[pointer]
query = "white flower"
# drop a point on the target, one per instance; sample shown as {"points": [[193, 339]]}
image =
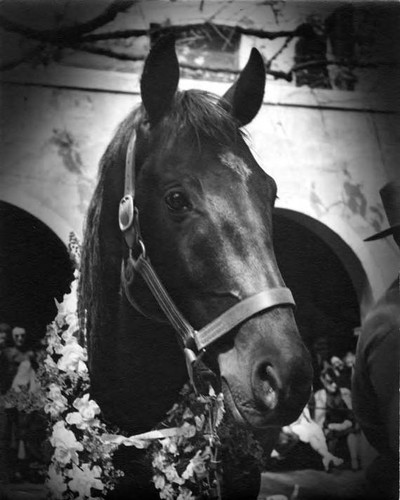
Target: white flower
{"points": [[65, 444], [196, 466], [172, 475], [159, 481], [49, 362], [169, 445], [86, 407], [73, 326], [70, 301], [73, 357], [85, 416], [53, 339], [84, 478], [58, 402], [167, 492], [56, 482], [185, 494], [188, 430], [158, 461]]}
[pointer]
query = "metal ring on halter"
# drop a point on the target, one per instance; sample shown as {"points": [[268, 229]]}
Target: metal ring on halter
{"points": [[141, 243], [142, 253]]}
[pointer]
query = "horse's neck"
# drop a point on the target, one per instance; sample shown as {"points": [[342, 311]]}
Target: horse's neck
{"points": [[143, 371]]}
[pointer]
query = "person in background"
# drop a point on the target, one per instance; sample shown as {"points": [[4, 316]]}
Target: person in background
{"points": [[375, 385], [19, 357], [333, 413], [19, 351], [347, 372], [337, 364], [5, 331], [310, 432]]}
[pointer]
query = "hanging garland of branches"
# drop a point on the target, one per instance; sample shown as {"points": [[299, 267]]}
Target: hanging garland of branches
{"points": [[81, 38]]}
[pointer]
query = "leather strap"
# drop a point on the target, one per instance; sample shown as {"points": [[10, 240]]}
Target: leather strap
{"points": [[189, 339], [142, 266], [240, 312], [228, 320]]}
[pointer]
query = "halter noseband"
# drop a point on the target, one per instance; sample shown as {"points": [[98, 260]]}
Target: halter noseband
{"points": [[189, 339]]}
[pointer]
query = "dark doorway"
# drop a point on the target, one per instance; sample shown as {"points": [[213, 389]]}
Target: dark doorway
{"points": [[34, 270], [327, 309]]}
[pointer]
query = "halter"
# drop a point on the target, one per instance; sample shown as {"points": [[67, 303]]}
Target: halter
{"points": [[192, 341]]}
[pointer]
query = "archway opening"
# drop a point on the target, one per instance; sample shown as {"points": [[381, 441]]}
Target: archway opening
{"points": [[35, 269], [327, 311]]}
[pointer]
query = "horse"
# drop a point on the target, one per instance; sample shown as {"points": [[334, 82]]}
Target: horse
{"points": [[178, 262]]}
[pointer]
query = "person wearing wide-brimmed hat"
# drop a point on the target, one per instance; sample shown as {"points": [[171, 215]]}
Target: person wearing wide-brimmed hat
{"points": [[375, 384]]}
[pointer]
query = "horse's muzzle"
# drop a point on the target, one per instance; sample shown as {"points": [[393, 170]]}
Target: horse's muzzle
{"points": [[281, 394]]}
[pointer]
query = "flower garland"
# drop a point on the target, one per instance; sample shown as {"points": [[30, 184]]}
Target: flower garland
{"points": [[186, 466], [183, 450], [82, 460], [184, 459]]}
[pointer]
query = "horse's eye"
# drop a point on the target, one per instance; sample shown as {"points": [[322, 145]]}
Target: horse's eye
{"points": [[177, 202]]}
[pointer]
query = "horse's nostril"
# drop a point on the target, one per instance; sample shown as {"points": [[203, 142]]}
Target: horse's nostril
{"points": [[267, 386], [268, 376]]}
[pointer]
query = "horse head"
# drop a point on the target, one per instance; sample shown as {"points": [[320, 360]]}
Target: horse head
{"points": [[201, 221]]}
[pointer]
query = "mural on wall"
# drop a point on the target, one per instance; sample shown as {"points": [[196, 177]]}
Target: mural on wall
{"points": [[68, 149]]}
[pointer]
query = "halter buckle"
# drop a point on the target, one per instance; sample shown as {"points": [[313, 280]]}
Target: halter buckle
{"points": [[126, 213]]}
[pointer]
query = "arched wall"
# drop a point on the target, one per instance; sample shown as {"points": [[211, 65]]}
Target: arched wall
{"points": [[35, 268], [329, 165], [357, 263], [59, 225], [328, 152]]}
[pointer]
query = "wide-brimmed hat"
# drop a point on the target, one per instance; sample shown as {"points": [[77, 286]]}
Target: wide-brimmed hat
{"points": [[390, 195]]}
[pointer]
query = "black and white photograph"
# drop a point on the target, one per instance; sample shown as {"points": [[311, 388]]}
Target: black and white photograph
{"points": [[199, 250]]}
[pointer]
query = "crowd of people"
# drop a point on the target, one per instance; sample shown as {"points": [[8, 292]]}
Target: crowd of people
{"points": [[359, 397], [326, 435], [22, 433]]}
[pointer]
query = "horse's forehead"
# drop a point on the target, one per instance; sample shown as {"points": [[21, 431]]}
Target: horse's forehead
{"points": [[235, 163]]}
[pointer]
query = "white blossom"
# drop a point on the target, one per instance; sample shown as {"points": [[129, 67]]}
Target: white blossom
{"points": [[85, 416], [57, 403], [65, 444], [185, 494], [73, 357], [84, 478]]}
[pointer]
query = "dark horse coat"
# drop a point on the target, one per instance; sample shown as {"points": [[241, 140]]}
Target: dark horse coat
{"points": [[205, 210]]}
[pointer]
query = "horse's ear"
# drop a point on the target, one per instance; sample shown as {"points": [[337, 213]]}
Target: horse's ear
{"points": [[160, 78], [244, 99]]}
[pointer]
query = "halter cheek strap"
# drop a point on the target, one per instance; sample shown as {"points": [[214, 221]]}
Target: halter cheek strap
{"points": [[189, 339], [223, 324]]}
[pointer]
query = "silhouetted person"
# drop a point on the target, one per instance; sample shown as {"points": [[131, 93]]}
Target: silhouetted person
{"points": [[5, 331], [19, 357], [376, 371], [333, 412]]}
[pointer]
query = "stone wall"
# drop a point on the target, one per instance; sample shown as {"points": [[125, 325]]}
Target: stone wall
{"points": [[329, 152]]}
